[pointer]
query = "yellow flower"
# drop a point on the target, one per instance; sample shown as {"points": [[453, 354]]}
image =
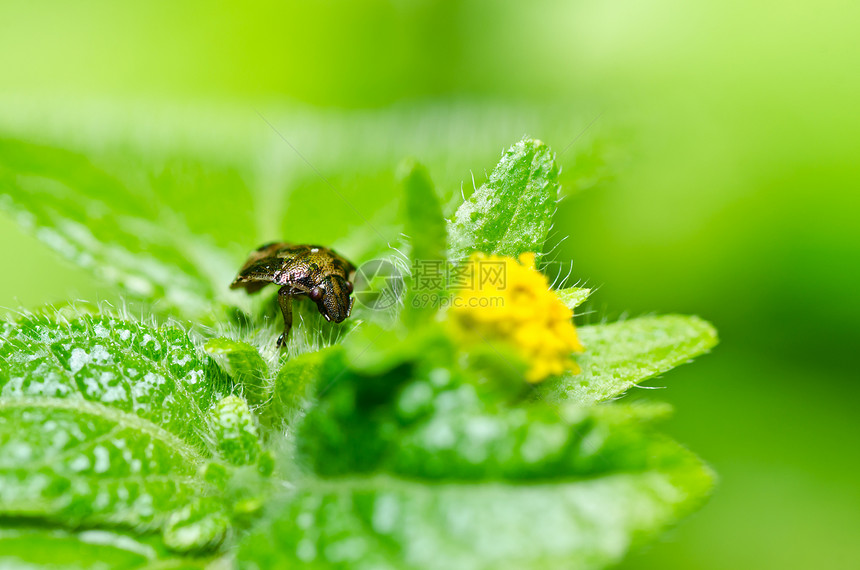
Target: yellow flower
{"points": [[500, 299]]}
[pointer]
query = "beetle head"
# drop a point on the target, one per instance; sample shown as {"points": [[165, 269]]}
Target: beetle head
{"points": [[332, 298]]}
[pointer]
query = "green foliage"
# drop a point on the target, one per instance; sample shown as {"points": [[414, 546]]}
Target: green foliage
{"points": [[22, 547], [136, 371], [573, 296], [292, 389], [512, 213], [385, 522], [423, 215], [425, 225], [140, 227], [235, 431], [106, 421], [623, 354], [385, 444], [417, 467], [244, 363]]}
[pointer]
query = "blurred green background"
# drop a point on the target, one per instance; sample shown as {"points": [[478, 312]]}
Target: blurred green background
{"points": [[720, 176]]}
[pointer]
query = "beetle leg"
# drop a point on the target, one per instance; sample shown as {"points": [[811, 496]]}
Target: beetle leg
{"points": [[285, 300]]}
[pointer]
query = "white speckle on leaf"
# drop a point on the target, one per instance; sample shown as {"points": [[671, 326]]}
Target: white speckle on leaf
{"points": [[440, 377], [60, 439], [113, 394], [79, 463], [542, 440], [181, 361], [482, 429], [305, 550], [100, 354], [349, 549], [102, 501], [78, 360], [193, 377], [385, 513], [414, 398], [305, 520], [143, 505], [592, 443], [92, 387], [439, 435], [102, 462], [19, 451]]}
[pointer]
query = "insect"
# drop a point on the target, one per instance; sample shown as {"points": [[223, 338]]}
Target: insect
{"points": [[311, 271]]}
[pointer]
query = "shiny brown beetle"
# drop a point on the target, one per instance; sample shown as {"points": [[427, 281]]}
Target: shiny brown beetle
{"points": [[302, 270]]}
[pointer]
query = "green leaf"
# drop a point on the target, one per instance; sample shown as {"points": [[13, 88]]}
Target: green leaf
{"points": [[512, 212], [425, 226], [424, 222], [103, 421], [235, 431], [167, 200], [22, 547], [199, 525], [573, 296], [372, 349], [620, 355], [245, 365], [384, 522], [417, 467], [490, 492], [420, 420], [155, 373], [81, 463], [138, 224], [293, 389]]}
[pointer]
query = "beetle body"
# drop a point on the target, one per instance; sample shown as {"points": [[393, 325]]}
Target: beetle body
{"points": [[311, 271]]}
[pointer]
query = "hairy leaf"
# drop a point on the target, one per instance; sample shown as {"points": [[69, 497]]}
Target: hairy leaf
{"points": [[512, 212], [417, 467], [121, 222], [102, 421], [245, 365], [488, 492], [22, 547], [621, 355], [388, 523], [424, 223], [421, 421], [168, 199], [418, 459], [425, 226], [235, 431], [573, 296], [294, 387]]}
